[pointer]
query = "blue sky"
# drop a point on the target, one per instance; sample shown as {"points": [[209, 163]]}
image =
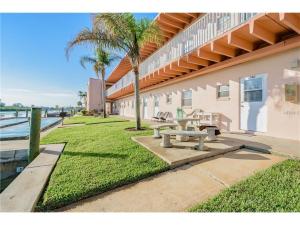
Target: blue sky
{"points": [[34, 69]]}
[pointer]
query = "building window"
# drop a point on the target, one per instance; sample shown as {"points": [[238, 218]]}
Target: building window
{"points": [[156, 101], [169, 98], [145, 102], [186, 98], [253, 90], [223, 91]]}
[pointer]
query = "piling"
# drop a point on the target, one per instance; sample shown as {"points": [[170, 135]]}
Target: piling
{"points": [[34, 138]]}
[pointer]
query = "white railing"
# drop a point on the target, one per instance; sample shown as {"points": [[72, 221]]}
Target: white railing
{"points": [[196, 35]]}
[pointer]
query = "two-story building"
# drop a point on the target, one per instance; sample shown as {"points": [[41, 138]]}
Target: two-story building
{"points": [[244, 66]]}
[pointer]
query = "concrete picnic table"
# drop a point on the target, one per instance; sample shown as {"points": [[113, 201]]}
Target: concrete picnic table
{"points": [[197, 134], [182, 126]]}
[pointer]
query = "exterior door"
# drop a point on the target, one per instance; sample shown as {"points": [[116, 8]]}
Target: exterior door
{"points": [[156, 105], [145, 108], [253, 111]]}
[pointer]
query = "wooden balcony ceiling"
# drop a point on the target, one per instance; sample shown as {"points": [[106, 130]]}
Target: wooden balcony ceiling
{"points": [[170, 24], [261, 35]]}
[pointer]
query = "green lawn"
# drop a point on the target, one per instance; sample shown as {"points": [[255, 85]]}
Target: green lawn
{"points": [[98, 157], [276, 189], [91, 120]]}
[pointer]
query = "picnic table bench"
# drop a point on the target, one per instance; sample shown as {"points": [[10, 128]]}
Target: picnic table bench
{"points": [[197, 134], [156, 128], [211, 130]]}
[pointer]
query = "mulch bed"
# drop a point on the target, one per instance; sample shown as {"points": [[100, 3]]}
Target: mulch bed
{"points": [[134, 129]]}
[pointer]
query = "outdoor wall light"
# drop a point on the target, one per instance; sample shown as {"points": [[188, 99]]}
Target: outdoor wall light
{"points": [[291, 92]]}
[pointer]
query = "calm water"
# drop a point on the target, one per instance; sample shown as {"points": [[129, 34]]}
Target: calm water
{"points": [[12, 121], [22, 130], [7, 114]]}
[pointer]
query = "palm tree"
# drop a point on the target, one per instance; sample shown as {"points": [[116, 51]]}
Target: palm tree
{"points": [[122, 31], [82, 95], [79, 104], [101, 60]]}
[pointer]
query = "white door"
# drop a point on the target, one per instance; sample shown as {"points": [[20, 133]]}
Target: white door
{"points": [[253, 113], [145, 108], [156, 105]]}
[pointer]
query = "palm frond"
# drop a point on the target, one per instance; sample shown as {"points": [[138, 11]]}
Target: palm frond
{"points": [[113, 58], [117, 26], [87, 59], [86, 36], [148, 31], [90, 37]]}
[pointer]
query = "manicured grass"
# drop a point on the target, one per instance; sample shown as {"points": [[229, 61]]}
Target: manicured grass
{"points": [[276, 189], [91, 120], [97, 158]]}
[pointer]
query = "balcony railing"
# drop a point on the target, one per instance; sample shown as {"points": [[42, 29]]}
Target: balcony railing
{"points": [[196, 35]]}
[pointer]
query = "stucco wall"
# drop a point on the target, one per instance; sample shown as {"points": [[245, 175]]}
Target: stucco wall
{"points": [[94, 94], [283, 118]]}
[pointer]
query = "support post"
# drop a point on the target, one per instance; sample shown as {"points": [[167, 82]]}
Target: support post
{"points": [[34, 139]]}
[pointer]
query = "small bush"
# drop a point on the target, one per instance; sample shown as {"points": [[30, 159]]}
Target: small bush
{"points": [[84, 112]]}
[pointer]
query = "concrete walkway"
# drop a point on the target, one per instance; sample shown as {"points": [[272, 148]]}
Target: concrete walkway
{"points": [[181, 188], [24, 192], [281, 146]]}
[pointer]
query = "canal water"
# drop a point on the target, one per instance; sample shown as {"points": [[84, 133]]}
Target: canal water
{"points": [[10, 114], [21, 130]]}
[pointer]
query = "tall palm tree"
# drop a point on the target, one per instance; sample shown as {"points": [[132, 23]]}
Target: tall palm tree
{"points": [[82, 95], [101, 60], [122, 31]]}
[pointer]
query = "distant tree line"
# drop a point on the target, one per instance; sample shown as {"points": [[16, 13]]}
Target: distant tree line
{"points": [[21, 107]]}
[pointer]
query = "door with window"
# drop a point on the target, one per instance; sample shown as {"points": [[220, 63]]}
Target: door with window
{"points": [[145, 108], [253, 109], [156, 105]]}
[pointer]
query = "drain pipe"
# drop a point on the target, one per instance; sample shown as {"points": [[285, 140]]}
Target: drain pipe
{"points": [[34, 138]]}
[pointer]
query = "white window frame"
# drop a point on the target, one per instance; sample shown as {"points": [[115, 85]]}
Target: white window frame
{"points": [[183, 99], [169, 98], [156, 100], [219, 91]]}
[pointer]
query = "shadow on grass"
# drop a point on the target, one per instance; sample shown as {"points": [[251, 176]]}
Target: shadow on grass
{"points": [[134, 129], [96, 154]]}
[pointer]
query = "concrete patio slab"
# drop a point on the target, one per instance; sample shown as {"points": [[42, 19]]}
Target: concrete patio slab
{"points": [[229, 168], [24, 192], [180, 188], [281, 146], [183, 152]]}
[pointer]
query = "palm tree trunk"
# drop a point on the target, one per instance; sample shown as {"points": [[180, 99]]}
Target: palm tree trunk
{"points": [[137, 98], [103, 92]]}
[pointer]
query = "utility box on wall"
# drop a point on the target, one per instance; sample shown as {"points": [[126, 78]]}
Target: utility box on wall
{"points": [[291, 92]]}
